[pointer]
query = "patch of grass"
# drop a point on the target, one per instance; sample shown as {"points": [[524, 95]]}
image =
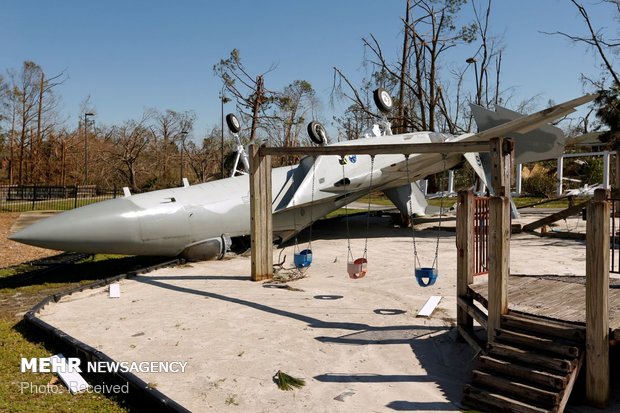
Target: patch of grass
{"points": [[28, 278], [377, 199], [49, 205], [380, 199], [448, 201], [341, 212], [21, 287], [560, 203], [18, 392]]}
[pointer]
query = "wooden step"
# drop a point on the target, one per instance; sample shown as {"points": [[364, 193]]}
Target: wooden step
{"points": [[531, 373], [475, 397], [547, 328], [517, 390], [534, 342], [529, 357]]}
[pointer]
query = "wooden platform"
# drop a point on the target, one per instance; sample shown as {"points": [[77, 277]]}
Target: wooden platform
{"points": [[559, 298]]}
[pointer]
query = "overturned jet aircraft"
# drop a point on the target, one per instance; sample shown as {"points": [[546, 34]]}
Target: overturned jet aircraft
{"points": [[198, 221]]}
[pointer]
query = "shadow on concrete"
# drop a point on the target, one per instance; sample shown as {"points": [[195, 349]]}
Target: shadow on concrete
{"points": [[446, 361], [53, 270], [405, 406], [202, 277], [371, 378], [311, 321]]}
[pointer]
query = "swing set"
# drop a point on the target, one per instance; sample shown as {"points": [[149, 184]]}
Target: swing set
{"points": [[261, 202], [261, 195]]}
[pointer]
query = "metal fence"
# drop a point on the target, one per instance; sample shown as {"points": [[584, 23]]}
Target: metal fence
{"points": [[481, 235], [22, 198]]}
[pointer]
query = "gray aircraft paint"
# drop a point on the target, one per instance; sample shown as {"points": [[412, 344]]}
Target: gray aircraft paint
{"points": [[170, 221]]}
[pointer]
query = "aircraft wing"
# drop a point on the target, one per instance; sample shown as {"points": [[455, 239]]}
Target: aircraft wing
{"points": [[534, 138], [534, 121]]}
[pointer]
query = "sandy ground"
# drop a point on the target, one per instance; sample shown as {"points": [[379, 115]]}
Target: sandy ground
{"points": [[11, 252], [357, 343]]}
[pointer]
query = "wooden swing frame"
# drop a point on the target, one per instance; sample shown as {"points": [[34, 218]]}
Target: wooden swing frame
{"points": [[261, 208], [502, 152]]}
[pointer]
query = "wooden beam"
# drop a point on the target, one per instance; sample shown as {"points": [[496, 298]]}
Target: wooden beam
{"points": [[499, 261], [473, 311], [597, 302], [381, 149], [267, 269], [471, 339], [464, 256], [565, 213], [260, 215], [502, 151]]}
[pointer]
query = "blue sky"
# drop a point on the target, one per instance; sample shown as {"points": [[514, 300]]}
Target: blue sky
{"points": [[131, 55]]}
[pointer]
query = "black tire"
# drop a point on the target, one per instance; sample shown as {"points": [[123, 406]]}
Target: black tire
{"points": [[383, 100], [317, 133], [233, 123]]}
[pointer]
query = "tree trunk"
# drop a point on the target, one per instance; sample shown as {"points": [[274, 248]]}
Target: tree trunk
{"points": [[402, 128]]}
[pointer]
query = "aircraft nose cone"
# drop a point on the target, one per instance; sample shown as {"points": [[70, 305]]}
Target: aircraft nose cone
{"points": [[107, 226]]}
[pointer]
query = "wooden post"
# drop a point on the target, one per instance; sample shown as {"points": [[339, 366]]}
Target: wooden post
{"points": [[260, 215], [597, 304], [464, 258], [499, 261], [499, 233], [501, 164]]}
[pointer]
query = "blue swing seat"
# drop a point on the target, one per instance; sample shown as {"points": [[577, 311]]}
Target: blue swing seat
{"points": [[426, 276], [303, 258]]}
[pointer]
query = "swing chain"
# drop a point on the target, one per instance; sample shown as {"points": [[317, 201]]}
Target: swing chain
{"points": [[314, 159], [346, 211], [372, 166], [410, 215], [444, 157], [295, 246]]}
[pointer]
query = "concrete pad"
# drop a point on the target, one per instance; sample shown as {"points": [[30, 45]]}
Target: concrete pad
{"points": [[357, 343]]}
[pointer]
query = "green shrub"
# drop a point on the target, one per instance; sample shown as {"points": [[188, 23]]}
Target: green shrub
{"points": [[540, 184]]}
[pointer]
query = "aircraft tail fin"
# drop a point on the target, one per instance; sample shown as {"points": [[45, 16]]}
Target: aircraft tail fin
{"points": [[400, 198], [533, 143]]}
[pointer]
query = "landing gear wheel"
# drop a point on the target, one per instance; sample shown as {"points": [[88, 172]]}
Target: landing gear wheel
{"points": [[233, 123], [317, 134], [383, 100]]}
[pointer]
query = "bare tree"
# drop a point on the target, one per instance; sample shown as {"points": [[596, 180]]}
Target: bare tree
{"points": [[170, 129], [129, 142], [595, 38], [429, 31], [204, 159], [45, 123], [32, 102], [291, 110], [249, 91]]}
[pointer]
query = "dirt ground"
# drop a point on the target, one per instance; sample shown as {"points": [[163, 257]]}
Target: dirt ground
{"points": [[12, 253]]}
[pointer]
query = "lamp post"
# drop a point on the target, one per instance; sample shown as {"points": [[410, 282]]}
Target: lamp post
{"points": [[473, 60], [86, 115], [223, 99], [183, 136]]}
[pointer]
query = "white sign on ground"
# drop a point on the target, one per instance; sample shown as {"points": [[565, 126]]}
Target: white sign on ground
{"points": [[70, 377], [115, 290], [429, 307]]}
